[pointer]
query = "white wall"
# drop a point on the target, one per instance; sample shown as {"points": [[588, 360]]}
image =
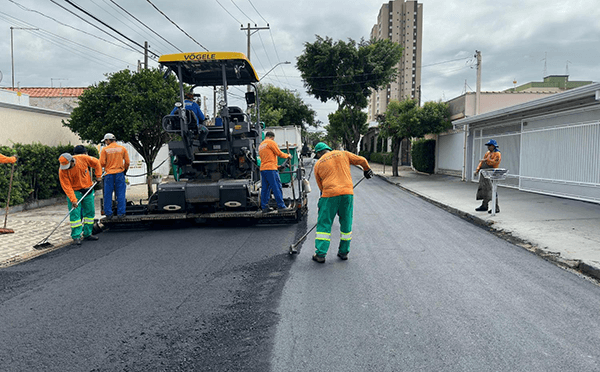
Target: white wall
{"points": [[450, 154], [24, 124]]}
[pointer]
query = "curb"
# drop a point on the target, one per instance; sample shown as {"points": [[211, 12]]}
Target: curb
{"points": [[32, 205], [586, 269], [32, 254]]}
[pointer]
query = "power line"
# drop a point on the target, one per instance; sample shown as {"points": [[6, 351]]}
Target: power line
{"points": [[41, 35], [157, 34], [243, 12], [88, 22], [60, 37], [175, 24], [105, 9], [66, 25], [225, 9], [112, 28], [258, 13]]}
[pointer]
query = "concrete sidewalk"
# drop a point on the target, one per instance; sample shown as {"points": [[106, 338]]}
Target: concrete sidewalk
{"points": [[563, 231], [34, 225]]}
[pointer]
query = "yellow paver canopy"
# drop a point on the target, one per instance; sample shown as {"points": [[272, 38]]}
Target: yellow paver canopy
{"points": [[206, 68]]}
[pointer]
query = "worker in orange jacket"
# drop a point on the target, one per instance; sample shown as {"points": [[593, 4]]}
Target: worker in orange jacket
{"points": [[332, 173], [114, 158], [7, 159], [491, 159], [269, 176], [76, 180]]}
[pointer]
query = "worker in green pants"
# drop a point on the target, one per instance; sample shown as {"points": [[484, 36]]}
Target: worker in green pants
{"points": [[341, 205], [75, 180], [332, 173], [84, 208]]}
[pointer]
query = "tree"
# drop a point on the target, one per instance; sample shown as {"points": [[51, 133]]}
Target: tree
{"points": [[348, 124], [406, 119], [346, 72], [281, 107], [131, 106]]}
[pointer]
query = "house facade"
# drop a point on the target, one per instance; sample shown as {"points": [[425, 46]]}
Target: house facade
{"points": [[549, 145]]}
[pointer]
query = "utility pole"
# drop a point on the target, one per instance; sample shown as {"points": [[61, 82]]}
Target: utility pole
{"points": [[250, 33], [478, 91], [146, 55]]}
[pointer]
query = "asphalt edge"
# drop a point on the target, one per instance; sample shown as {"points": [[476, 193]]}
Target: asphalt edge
{"points": [[20, 258], [553, 257]]}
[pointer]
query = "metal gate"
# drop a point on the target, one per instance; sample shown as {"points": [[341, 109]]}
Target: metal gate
{"points": [[562, 160]]}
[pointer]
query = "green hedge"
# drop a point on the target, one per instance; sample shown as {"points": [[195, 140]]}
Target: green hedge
{"points": [[423, 155], [377, 157], [36, 172]]}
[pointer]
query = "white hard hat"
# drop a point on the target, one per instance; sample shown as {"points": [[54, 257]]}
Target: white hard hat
{"points": [[109, 136]]}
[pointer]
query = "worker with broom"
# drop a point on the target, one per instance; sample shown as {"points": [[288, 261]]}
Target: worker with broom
{"points": [[332, 173], [76, 180]]}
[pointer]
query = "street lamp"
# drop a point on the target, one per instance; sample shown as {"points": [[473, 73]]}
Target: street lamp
{"points": [[280, 63], [12, 59]]}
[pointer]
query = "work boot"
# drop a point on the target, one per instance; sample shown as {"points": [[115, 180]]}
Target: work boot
{"points": [[109, 217], [90, 237], [121, 216], [319, 259], [267, 210], [77, 241], [284, 209], [343, 256], [482, 208]]}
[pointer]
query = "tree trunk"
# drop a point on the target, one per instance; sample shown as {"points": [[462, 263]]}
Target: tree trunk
{"points": [[396, 143], [149, 165]]}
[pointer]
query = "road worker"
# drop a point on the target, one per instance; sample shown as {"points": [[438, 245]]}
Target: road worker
{"points": [[491, 159], [332, 173], [76, 180], [269, 176], [7, 159], [114, 158]]}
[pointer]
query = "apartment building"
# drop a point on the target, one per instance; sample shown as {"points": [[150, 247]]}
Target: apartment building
{"points": [[400, 21]]}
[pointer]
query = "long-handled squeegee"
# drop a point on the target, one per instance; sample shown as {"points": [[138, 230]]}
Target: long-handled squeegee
{"points": [[294, 247], [44, 242]]}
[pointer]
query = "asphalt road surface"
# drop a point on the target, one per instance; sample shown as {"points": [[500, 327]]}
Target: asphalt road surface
{"points": [[422, 291]]}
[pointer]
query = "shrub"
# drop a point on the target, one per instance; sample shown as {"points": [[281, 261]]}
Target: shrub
{"points": [[381, 157], [423, 155], [36, 172], [19, 188]]}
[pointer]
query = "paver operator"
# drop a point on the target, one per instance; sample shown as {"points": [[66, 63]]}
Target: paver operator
{"points": [[115, 161], [491, 159], [332, 173], [195, 108], [75, 179], [268, 151]]}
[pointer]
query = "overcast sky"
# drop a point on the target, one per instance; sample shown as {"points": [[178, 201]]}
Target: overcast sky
{"points": [[517, 39]]}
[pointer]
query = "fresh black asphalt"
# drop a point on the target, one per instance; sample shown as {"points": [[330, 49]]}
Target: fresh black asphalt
{"points": [[423, 290]]}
